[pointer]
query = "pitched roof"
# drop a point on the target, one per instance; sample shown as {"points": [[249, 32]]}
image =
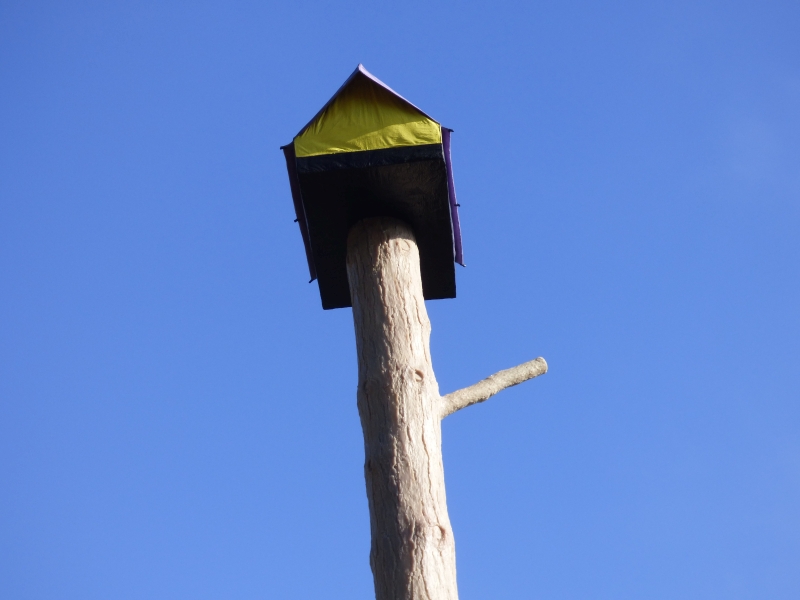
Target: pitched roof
{"points": [[365, 114]]}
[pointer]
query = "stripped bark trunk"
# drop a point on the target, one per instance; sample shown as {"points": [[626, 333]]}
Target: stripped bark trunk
{"points": [[413, 551]]}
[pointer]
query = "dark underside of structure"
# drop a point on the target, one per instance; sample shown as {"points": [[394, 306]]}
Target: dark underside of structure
{"points": [[411, 185]]}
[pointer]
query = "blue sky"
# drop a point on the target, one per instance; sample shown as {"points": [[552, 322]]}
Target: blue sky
{"points": [[177, 413]]}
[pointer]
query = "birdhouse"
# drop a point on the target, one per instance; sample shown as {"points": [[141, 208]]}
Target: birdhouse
{"points": [[371, 153]]}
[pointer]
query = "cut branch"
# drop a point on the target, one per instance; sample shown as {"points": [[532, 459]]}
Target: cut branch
{"points": [[491, 385]]}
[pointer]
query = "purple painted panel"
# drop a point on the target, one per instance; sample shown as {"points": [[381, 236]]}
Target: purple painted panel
{"points": [[299, 210], [451, 192]]}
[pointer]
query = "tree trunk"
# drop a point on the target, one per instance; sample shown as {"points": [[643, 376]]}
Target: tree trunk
{"points": [[413, 551]]}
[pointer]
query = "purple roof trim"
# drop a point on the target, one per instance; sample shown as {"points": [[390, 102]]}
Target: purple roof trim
{"points": [[299, 209], [363, 71], [360, 70], [451, 192]]}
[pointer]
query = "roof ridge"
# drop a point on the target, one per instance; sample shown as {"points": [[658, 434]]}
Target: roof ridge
{"points": [[361, 70]]}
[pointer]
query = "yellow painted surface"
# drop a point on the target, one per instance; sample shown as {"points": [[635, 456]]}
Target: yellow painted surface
{"points": [[366, 116]]}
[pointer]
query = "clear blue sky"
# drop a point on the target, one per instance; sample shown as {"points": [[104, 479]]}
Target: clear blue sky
{"points": [[177, 413]]}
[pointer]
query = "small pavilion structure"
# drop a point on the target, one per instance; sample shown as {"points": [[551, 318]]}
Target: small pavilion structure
{"points": [[369, 152]]}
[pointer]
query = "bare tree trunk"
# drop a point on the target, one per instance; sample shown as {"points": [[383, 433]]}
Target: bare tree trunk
{"points": [[413, 551]]}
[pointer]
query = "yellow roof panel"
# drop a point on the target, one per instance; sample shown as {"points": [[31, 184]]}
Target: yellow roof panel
{"points": [[365, 115]]}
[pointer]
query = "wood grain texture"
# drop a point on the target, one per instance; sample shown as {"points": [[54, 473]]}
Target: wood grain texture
{"points": [[413, 552], [488, 387]]}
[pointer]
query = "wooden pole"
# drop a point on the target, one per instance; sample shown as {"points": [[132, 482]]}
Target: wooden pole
{"points": [[413, 551]]}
